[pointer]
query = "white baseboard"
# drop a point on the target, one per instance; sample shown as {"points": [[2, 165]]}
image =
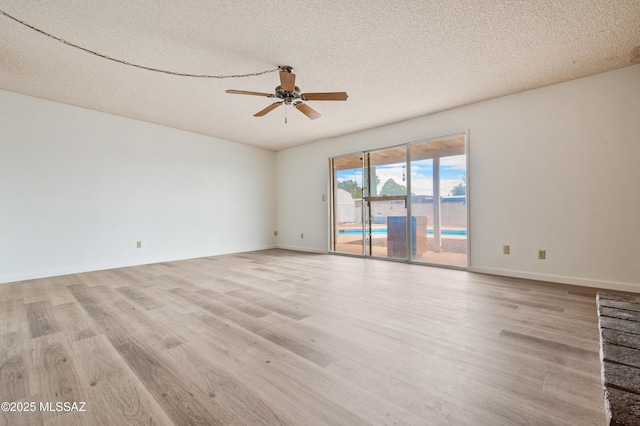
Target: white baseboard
{"points": [[305, 249], [137, 262], [562, 279]]}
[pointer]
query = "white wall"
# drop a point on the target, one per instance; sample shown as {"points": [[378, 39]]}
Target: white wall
{"points": [[546, 168], [78, 188]]}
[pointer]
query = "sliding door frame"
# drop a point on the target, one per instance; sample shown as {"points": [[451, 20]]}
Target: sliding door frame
{"points": [[408, 201]]}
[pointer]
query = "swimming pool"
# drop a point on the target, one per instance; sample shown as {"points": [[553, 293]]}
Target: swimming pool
{"points": [[383, 231]]}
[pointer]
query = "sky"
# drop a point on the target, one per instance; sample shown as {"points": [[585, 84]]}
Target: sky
{"points": [[452, 172]]}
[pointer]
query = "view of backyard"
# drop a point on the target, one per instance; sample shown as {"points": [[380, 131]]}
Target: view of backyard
{"points": [[370, 203]]}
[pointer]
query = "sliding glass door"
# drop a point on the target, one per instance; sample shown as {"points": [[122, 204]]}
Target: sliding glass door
{"points": [[406, 203], [385, 198], [439, 200]]}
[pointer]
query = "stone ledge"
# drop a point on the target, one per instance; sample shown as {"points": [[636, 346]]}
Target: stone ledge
{"points": [[619, 325]]}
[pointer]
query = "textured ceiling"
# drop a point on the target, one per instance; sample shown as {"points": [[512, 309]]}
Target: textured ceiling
{"points": [[395, 59]]}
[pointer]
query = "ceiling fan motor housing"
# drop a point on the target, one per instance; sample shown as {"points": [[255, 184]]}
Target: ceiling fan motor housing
{"points": [[287, 97]]}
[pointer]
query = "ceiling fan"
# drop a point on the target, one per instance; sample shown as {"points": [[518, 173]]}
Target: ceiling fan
{"points": [[289, 94]]}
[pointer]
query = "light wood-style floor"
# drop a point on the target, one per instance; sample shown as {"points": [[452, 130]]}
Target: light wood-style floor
{"points": [[285, 338]]}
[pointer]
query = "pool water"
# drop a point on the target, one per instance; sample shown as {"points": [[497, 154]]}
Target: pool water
{"points": [[383, 231]]}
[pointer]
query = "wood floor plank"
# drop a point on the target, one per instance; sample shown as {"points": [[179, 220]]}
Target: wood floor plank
{"points": [[41, 322], [16, 366], [13, 318], [35, 291], [54, 376], [233, 302], [74, 321], [232, 398], [131, 293], [13, 378], [121, 397], [170, 390], [297, 346]]}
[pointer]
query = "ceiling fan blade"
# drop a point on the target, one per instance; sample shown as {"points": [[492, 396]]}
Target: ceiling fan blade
{"points": [[268, 109], [244, 92], [307, 110], [288, 81], [327, 96]]}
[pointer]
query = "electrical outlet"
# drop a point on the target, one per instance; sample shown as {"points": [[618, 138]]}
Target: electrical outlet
{"points": [[139, 244], [506, 249], [301, 236], [542, 254]]}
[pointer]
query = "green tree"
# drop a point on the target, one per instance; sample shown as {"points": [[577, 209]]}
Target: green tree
{"points": [[391, 187], [351, 187], [461, 188]]}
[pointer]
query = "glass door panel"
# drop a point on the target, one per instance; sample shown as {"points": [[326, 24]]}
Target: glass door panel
{"points": [[386, 203], [346, 217], [439, 199]]}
